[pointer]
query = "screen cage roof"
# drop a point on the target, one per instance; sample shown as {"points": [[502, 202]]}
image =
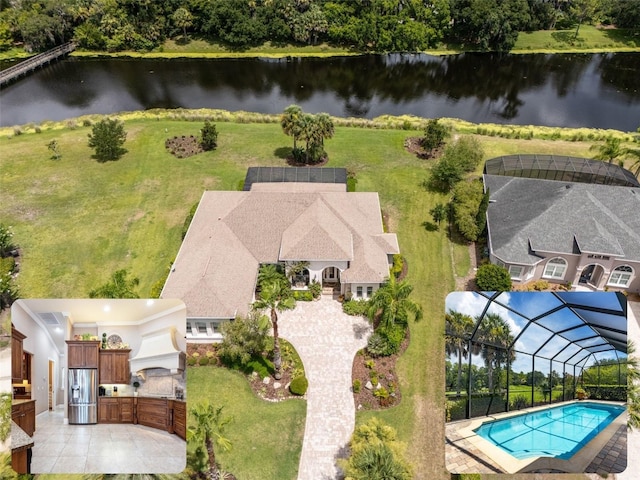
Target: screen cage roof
{"points": [[561, 168], [294, 174], [566, 327]]}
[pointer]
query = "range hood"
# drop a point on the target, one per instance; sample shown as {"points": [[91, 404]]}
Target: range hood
{"points": [[158, 350]]}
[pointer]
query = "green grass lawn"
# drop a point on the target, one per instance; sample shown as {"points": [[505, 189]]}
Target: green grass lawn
{"points": [[77, 221], [590, 39], [266, 437]]}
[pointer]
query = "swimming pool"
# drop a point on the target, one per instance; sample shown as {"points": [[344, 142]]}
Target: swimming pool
{"points": [[557, 432]]}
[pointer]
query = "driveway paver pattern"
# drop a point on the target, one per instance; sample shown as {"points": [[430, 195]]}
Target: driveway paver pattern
{"points": [[327, 340]]}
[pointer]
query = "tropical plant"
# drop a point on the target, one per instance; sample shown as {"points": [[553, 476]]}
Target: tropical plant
{"points": [[495, 337], [107, 137], [290, 121], [633, 387], [458, 329], [376, 454], [493, 278], [391, 304], [118, 286], [209, 429], [243, 338], [182, 18], [609, 150], [275, 296], [6, 240]]}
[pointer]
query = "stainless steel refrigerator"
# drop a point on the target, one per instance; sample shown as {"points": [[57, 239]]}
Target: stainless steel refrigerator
{"points": [[83, 395]]}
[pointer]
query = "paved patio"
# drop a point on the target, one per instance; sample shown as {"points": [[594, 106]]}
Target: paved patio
{"points": [[326, 340]]}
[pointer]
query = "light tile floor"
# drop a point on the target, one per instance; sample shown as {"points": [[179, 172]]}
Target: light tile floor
{"points": [[103, 448]]}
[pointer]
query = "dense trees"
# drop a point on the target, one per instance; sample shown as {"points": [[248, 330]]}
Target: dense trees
{"points": [[371, 25], [312, 129]]}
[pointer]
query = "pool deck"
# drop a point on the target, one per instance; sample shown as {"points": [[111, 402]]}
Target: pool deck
{"points": [[466, 452]]}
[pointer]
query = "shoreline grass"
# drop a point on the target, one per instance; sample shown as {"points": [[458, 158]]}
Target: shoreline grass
{"points": [[77, 221]]}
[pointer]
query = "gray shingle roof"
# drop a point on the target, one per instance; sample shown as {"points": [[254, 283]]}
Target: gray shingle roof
{"points": [[552, 216], [233, 232]]}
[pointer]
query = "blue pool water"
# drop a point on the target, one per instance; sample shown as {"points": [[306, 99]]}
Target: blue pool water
{"points": [[555, 432]]}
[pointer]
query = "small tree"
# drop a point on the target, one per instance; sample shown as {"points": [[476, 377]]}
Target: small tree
{"points": [[209, 430], [118, 286], [493, 278], [107, 137], [435, 134], [439, 212], [55, 149], [209, 136]]}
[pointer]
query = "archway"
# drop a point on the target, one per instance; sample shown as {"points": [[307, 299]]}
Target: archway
{"points": [[591, 275]]}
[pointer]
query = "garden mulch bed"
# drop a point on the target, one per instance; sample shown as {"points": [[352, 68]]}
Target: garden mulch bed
{"points": [[292, 162], [184, 146], [385, 368], [413, 145], [268, 389]]}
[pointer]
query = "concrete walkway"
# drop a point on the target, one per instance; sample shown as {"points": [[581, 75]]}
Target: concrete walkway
{"points": [[326, 340]]}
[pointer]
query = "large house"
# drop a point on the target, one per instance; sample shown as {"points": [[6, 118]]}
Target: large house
{"points": [[281, 220], [565, 231]]}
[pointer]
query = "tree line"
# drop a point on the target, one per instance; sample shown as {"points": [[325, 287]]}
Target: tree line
{"points": [[362, 25]]}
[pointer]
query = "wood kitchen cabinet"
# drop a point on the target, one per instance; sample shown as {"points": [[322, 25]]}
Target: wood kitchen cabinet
{"points": [[24, 414], [114, 366], [82, 354], [115, 410], [17, 373], [153, 412], [180, 419]]}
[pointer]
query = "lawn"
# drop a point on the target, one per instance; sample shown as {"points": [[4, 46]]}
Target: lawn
{"points": [[590, 39], [266, 437], [77, 221]]}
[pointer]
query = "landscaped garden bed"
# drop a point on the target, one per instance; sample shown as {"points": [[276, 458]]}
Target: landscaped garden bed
{"points": [[184, 146]]}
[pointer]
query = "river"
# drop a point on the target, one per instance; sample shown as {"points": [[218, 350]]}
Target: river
{"points": [[568, 90]]}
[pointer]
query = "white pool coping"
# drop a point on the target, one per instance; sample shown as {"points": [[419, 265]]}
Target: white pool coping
{"points": [[578, 463]]}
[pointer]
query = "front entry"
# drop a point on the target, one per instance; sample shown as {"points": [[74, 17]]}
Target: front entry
{"points": [[330, 276], [591, 275]]}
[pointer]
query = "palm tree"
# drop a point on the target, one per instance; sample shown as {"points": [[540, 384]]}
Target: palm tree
{"points": [[458, 328], [290, 120], [276, 296], [609, 151], [210, 425], [391, 304], [325, 127], [633, 387], [495, 336]]}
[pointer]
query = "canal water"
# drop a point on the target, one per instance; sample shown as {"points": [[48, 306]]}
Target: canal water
{"points": [[569, 90]]}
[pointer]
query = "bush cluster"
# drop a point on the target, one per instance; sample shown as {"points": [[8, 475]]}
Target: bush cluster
{"points": [[355, 307], [303, 295], [386, 341]]}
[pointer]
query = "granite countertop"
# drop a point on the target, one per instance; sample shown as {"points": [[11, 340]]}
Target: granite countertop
{"points": [[19, 438], [18, 401]]}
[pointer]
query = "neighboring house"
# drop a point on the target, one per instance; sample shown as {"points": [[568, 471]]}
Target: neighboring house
{"points": [[565, 232], [339, 234]]}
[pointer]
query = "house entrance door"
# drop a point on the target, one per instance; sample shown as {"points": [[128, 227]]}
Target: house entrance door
{"points": [[330, 275], [591, 275]]}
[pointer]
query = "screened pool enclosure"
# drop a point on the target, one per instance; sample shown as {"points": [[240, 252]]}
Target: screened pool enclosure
{"points": [[511, 350]]}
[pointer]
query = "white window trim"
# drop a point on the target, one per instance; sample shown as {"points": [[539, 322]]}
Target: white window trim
{"points": [[521, 275], [628, 275], [555, 267]]}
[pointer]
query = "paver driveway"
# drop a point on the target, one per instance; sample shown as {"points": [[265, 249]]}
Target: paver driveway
{"points": [[326, 340]]}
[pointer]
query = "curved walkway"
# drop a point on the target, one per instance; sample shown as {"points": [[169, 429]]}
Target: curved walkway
{"points": [[326, 340]]}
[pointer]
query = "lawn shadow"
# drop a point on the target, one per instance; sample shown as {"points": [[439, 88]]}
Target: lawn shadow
{"points": [[283, 152], [564, 37], [430, 226], [183, 41], [623, 36]]}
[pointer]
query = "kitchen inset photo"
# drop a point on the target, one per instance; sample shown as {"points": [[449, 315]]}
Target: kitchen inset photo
{"points": [[98, 386]]}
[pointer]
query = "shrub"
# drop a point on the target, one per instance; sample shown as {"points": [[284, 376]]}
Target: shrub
{"points": [[434, 135], [7, 266], [316, 289], [187, 221], [6, 242], [519, 402], [398, 265], [107, 137], [540, 285], [357, 385], [370, 364], [209, 136], [261, 366], [299, 385], [355, 307], [303, 295], [191, 361], [493, 278], [203, 361], [379, 345]]}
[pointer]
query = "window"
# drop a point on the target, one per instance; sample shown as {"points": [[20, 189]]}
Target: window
{"points": [[555, 268], [621, 276], [516, 271], [359, 291], [369, 292], [202, 328]]}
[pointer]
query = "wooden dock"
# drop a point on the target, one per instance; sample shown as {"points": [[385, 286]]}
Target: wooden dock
{"points": [[23, 68]]}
